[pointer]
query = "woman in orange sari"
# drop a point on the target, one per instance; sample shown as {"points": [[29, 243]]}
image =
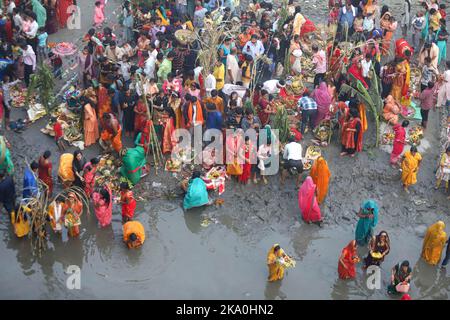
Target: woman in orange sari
{"points": [[347, 261], [104, 101], [72, 210], [388, 25], [352, 135], [320, 173], [402, 78], [90, 124]]}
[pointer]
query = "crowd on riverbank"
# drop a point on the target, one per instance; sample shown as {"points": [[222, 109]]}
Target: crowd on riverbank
{"points": [[265, 71]]}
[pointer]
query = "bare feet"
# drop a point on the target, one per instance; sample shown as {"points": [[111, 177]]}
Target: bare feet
{"points": [[406, 189], [343, 154]]}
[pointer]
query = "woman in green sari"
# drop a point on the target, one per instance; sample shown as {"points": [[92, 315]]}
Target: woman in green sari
{"points": [[441, 41], [41, 13], [133, 161], [368, 219], [196, 194], [5, 157]]}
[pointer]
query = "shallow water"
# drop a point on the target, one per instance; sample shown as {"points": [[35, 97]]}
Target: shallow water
{"points": [[227, 259]]}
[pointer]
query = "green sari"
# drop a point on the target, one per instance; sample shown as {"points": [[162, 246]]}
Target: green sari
{"points": [[40, 12], [442, 44], [424, 34], [5, 158], [196, 195], [133, 162]]}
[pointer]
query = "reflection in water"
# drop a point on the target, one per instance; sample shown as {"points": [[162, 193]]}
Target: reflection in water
{"points": [[341, 289], [273, 291], [104, 242], [24, 251], [134, 255], [304, 236], [431, 281], [193, 219]]}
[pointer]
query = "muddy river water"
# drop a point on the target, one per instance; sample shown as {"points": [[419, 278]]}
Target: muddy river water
{"points": [[181, 259]]}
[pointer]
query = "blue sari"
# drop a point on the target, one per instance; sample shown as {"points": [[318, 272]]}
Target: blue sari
{"points": [[442, 44], [30, 186], [196, 195], [365, 227], [424, 34]]}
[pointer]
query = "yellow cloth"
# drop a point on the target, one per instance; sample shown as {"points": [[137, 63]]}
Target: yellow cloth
{"points": [[434, 243], [299, 20], [276, 270], [363, 117], [219, 74], [320, 173], [134, 227], [21, 227], [410, 166], [65, 171]]}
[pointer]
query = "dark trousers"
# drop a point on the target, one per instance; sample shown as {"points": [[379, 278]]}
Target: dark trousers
{"points": [[386, 89], [308, 116], [447, 255], [424, 114], [28, 72]]}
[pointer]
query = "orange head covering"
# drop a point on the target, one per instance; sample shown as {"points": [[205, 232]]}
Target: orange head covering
{"points": [[320, 173]]}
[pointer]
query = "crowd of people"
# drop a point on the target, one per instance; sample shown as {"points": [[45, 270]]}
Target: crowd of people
{"points": [[148, 81]]}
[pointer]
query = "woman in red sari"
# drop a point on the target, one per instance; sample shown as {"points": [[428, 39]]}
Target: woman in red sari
{"points": [[399, 142], [347, 261], [45, 171], [140, 117], [89, 172], [307, 201], [249, 159], [61, 9], [356, 71], [352, 135]]}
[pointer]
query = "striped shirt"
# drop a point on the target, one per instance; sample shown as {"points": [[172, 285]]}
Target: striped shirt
{"points": [[307, 103]]}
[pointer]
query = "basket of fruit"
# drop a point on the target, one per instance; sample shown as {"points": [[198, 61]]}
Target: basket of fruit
{"points": [[185, 36], [415, 135]]}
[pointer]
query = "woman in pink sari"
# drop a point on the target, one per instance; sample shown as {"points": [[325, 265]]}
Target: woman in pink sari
{"points": [[307, 201], [89, 171], [323, 100], [103, 205]]}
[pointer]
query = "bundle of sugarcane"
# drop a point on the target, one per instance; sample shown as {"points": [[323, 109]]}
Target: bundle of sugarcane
{"points": [[281, 123]]}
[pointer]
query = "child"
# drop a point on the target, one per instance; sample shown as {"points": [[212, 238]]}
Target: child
{"points": [[99, 15], [42, 45], [128, 202], [59, 134], [56, 63], [417, 23]]}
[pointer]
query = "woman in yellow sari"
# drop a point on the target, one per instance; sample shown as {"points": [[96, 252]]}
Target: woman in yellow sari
{"points": [[434, 243], [400, 85], [410, 167], [320, 173], [276, 269]]}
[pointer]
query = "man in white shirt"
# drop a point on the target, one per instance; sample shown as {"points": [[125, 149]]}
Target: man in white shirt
{"points": [[292, 157], [210, 84], [150, 66], [254, 47], [234, 73], [17, 19], [29, 61], [274, 86], [366, 64]]}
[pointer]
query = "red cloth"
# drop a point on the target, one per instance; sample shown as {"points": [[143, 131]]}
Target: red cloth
{"points": [[357, 73], [350, 136], [263, 116], [401, 45], [61, 11], [57, 127], [406, 297], [9, 31], [247, 167], [43, 173], [128, 208], [89, 179], [399, 142], [297, 134], [307, 27], [349, 252], [307, 201]]}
